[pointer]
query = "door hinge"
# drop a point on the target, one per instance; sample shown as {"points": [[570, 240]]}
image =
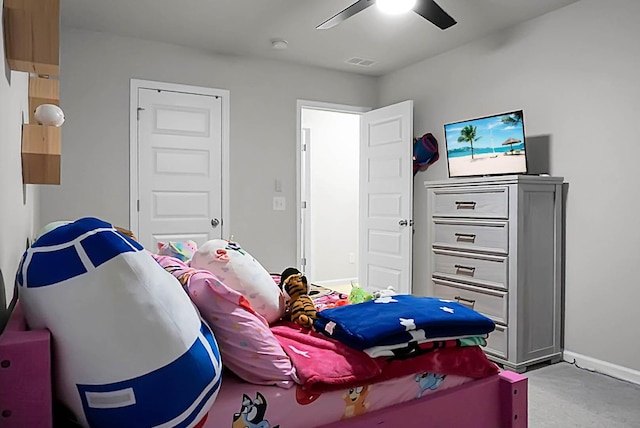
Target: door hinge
{"points": [[304, 204], [303, 261], [304, 147], [138, 205], [139, 110]]}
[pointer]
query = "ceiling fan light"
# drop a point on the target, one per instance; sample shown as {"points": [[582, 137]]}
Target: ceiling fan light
{"points": [[395, 7]]}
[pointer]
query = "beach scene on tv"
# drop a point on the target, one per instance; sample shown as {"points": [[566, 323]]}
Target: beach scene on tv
{"points": [[486, 146]]}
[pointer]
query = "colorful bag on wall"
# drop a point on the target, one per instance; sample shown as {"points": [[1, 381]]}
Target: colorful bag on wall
{"points": [[129, 347], [425, 152]]}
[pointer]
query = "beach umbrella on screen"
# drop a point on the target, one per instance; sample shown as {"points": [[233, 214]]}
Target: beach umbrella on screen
{"points": [[511, 142]]}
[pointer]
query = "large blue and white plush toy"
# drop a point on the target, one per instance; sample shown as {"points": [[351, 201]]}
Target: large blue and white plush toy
{"points": [[130, 350]]}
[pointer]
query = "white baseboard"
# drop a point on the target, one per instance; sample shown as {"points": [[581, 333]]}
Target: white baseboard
{"points": [[334, 282], [604, 367]]}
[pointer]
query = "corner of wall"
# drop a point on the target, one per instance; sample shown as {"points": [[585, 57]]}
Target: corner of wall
{"points": [[17, 201]]}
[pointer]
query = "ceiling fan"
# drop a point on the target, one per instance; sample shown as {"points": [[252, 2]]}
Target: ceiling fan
{"points": [[428, 9]]}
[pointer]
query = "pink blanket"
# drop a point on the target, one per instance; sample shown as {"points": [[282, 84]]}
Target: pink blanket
{"points": [[321, 360], [324, 364]]}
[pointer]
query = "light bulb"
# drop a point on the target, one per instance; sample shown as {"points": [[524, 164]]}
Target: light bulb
{"points": [[49, 114], [395, 7]]}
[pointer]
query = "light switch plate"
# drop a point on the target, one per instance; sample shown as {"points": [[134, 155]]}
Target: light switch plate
{"points": [[279, 203]]}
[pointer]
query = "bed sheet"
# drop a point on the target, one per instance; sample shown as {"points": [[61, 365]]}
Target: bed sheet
{"points": [[240, 404]]}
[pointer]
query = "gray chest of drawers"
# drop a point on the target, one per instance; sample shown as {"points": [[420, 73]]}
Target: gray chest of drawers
{"points": [[496, 244]]}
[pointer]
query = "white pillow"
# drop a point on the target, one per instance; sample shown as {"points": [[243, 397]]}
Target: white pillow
{"points": [[238, 270], [129, 347]]}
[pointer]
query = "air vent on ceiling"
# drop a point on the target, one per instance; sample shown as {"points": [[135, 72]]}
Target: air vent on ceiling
{"points": [[360, 61]]}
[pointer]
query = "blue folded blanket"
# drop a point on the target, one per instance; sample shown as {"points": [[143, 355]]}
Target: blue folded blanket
{"points": [[400, 319]]}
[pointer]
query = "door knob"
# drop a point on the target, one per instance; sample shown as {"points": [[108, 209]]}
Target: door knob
{"points": [[403, 222], [215, 222]]}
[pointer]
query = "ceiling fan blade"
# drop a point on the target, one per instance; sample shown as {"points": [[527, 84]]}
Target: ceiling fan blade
{"points": [[357, 7], [430, 11]]}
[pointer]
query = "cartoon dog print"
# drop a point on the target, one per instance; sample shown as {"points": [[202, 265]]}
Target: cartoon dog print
{"points": [[355, 402], [428, 381], [252, 413]]}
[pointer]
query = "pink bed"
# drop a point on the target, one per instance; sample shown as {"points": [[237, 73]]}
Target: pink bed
{"points": [[490, 402], [496, 401]]}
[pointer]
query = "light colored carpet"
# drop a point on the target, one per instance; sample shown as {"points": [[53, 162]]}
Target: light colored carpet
{"points": [[343, 288], [562, 395]]}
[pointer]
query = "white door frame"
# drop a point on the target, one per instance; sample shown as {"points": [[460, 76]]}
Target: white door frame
{"points": [[134, 149], [316, 105]]}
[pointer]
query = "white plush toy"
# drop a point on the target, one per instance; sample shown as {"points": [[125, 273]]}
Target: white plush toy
{"points": [[387, 292], [129, 348], [238, 270]]}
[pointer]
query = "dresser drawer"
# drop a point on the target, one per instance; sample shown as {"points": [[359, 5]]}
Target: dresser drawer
{"points": [[482, 269], [481, 202], [492, 303], [487, 236], [497, 342]]}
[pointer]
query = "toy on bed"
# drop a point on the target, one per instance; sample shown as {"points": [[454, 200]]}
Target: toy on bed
{"points": [[235, 267], [301, 308], [325, 298], [386, 292], [129, 348], [359, 295], [249, 348], [182, 251]]}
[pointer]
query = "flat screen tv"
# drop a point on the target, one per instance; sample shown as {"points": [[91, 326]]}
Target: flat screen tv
{"points": [[490, 145]]}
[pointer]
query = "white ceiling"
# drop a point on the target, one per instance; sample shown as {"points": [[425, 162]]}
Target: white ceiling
{"points": [[246, 27]]}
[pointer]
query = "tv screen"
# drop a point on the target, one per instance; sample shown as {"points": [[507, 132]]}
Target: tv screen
{"points": [[489, 145]]}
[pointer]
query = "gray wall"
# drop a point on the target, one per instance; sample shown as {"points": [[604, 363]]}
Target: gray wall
{"points": [[575, 74], [17, 202], [95, 72]]}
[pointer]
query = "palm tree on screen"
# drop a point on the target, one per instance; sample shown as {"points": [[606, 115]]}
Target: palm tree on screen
{"points": [[513, 119], [468, 134]]}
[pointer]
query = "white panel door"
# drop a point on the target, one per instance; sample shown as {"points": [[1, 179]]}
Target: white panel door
{"points": [[180, 158], [386, 198]]}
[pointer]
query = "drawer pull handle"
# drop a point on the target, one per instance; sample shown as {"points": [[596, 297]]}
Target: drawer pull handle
{"points": [[470, 303], [461, 267], [465, 236], [465, 204]]}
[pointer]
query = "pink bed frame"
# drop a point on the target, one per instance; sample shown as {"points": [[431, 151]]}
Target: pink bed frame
{"points": [[495, 402], [25, 393], [25, 375]]}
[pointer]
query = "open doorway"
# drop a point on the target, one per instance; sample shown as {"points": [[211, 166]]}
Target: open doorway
{"points": [[329, 159]]}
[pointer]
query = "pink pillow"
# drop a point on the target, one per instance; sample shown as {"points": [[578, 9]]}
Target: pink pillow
{"points": [[248, 347]]}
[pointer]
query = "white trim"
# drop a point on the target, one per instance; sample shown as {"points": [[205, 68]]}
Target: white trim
{"points": [[315, 105], [305, 215], [133, 144], [614, 370], [335, 282]]}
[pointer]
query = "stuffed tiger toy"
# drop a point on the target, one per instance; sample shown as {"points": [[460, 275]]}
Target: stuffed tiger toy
{"points": [[301, 308]]}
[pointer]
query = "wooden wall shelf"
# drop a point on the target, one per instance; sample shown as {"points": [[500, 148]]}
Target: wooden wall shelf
{"points": [[41, 149], [42, 91], [32, 35], [32, 45]]}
